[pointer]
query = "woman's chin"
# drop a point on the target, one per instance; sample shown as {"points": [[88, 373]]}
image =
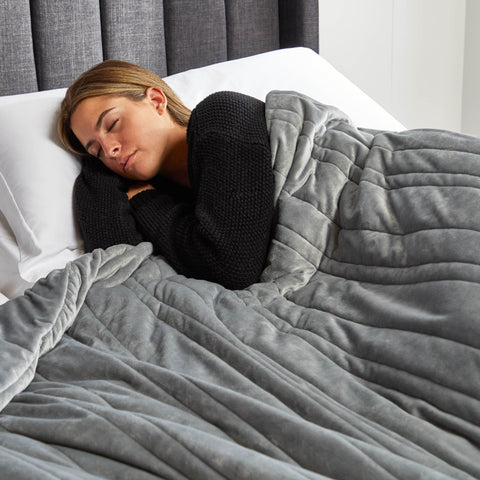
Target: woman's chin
{"points": [[137, 176]]}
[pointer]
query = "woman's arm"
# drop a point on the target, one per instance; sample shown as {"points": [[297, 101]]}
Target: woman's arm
{"points": [[223, 236], [102, 208]]}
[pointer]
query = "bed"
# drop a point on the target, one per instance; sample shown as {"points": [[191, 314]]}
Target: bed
{"points": [[356, 355]]}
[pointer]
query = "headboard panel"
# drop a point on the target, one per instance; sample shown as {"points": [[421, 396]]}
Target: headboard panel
{"points": [[195, 33], [65, 40], [47, 43], [17, 66]]}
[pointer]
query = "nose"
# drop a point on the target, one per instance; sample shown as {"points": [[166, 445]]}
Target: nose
{"points": [[111, 147]]}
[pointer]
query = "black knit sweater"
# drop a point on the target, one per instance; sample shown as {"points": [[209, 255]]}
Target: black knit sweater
{"points": [[219, 229]]}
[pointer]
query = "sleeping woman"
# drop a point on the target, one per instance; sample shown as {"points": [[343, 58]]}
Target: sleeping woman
{"points": [[198, 185]]}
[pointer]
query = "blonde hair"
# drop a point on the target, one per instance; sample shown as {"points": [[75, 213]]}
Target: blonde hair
{"points": [[118, 78]]}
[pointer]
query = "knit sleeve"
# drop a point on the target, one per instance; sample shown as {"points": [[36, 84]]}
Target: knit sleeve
{"points": [[102, 208], [224, 235]]}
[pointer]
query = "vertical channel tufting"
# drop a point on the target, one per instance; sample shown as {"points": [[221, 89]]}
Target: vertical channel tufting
{"points": [[133, 31], [47, 43], [299, 23], [67, 40], [252, 27], [17, 63], [195, 33]]}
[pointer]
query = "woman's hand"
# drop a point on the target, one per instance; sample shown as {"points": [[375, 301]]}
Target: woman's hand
{"points": [[138, 188]]}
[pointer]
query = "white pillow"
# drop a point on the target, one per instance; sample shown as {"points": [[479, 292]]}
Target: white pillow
{"points": [[36, 179], [299, 69], [37, 174]]}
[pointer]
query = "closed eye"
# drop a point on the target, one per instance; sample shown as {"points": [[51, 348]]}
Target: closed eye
{"points": [[110, 128]]}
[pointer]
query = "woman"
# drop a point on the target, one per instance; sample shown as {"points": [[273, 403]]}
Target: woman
{"points": [[198, 185]]}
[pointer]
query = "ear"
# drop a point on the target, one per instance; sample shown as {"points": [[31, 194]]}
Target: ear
{"points": [[158, 99]]}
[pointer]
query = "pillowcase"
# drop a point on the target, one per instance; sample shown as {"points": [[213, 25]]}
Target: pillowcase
{"points": [[37, 173], [299, 69], [36, 181]]}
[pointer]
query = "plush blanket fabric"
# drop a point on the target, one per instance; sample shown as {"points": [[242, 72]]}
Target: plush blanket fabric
{"points": [[356, 356]]}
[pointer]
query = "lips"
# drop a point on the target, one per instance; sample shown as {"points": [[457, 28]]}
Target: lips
{"points": [[127, 161]]}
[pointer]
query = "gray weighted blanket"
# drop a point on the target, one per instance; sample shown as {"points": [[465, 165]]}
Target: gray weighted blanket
{"points": [[356, 356]]}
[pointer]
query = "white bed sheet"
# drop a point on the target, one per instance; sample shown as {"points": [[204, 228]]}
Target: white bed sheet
{"points": [[30, 249]]}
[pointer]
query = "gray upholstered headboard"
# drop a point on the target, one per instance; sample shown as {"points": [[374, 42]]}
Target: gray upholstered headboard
{"points": [[46, 44]]}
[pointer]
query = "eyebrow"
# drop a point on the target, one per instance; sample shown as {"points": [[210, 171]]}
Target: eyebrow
{"points": [[97, 127]]}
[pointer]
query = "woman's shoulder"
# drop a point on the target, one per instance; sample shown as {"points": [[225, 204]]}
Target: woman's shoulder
{"points": [[231, 113], [227, 99]]}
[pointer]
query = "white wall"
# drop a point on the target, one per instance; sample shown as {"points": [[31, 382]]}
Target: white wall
{"points": [[471, 72], [406, 54]]}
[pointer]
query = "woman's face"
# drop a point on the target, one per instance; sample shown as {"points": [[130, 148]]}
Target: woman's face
{"points": [[132, 138]]}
